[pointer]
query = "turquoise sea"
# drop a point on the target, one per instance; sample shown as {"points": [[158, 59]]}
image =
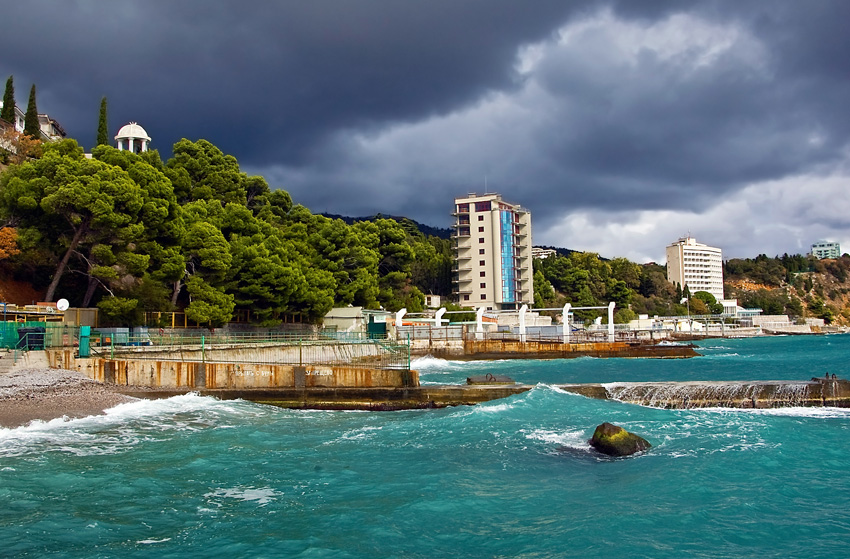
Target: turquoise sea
{"points": [[196, 477]]}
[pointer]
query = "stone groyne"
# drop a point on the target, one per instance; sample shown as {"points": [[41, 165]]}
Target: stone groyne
{"points": [[728, 394]]}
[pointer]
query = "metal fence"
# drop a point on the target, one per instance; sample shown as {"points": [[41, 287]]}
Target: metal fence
{"points": [[549, 334], [274, 348]]}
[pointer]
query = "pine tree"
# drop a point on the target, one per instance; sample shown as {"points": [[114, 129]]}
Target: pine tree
{"points": [[8, 112], [31, 127], [102, 128]]}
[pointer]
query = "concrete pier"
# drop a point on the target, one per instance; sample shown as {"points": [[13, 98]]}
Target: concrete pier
{"points": [[370, 399], [818, 392], [471, 349]]}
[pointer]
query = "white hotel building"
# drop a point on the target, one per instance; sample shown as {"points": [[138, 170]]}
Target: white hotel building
{"points": [[696, 265], [492, 253]]}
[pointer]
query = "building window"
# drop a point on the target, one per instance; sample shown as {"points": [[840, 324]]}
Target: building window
{"points": [[482, 274], [466, 297], [481, 263], [480, 251], [480, 218], [483, 297], [483, 285], [482, 206], [481, 229], [480, 240], [463, 208]]}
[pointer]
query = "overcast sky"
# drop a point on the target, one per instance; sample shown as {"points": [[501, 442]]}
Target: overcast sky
{"points": [[622, 125]]}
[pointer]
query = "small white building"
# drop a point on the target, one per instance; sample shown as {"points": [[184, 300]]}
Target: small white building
{"points": [[344, 319]]}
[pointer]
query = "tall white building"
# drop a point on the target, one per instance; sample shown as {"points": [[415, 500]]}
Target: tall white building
{"points": [[492, 253], [696, 265]]}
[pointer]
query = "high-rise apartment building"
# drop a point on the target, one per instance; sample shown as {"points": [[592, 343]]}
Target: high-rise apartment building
{"points": [[696, 265], [492, 253], [826, 249]]}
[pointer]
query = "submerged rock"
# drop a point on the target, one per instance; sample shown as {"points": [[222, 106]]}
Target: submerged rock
{"points": [[613, 440]]}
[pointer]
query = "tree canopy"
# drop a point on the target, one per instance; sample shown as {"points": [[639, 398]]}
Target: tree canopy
{"points": [[132, 234], [8, 111]]}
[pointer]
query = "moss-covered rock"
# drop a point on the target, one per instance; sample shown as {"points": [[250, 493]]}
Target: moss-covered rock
{"points": [[613, 440]]}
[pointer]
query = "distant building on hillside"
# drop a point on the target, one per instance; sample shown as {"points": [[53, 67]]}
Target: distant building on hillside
{"points": [[492, 253], [541, 253], [50, 130], [696, 265], [826, 249], [19, 118]]}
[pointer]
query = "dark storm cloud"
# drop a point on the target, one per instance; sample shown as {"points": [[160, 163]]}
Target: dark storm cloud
{"points": [[266, 80], [377, 105]]}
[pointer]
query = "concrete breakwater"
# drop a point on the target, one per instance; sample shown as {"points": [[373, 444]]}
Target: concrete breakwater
{"points": [[370, 399], [329, 387], [728, 394], [471, 349]]}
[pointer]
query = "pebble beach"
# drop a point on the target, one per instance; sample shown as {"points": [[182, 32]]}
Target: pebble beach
{"points": [[45, 394]]}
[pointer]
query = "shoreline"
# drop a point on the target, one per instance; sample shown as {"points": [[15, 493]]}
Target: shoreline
{"points": [[44, 394]]}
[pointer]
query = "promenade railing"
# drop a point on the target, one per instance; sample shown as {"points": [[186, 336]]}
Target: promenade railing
{"points": [[275, 348]]}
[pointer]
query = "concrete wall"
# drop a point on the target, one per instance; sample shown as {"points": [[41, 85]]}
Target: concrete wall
{"points": [[163, 373]]}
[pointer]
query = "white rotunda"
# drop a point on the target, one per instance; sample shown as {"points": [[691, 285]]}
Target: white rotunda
{"points": [[132, 137]]}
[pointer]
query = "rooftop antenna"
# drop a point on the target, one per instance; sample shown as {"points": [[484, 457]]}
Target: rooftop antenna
{"points": [[485, 184]]}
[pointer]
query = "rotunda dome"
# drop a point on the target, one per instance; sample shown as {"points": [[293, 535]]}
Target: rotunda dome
{"points": [[132, 130]]}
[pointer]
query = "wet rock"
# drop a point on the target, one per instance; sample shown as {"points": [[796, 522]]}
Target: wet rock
{"points": [[613, 440]]}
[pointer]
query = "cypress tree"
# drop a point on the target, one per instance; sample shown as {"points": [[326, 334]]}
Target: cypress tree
{"points": [[102, 128], [8, 112], [31, 127]]}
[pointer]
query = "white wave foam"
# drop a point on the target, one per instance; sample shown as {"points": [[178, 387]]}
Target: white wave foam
{"points": [[840, 413], [262, 496], [148, 542], [493, 408], [427, 362], [568, 439]]}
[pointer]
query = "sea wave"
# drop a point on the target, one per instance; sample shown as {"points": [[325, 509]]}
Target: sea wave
{"points": [[260, 495], [124, 425], [429, 362]]}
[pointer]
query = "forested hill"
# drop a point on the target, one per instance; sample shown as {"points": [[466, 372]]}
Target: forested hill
{"points": [[800, 286], [796, 285], [406, 222]]}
